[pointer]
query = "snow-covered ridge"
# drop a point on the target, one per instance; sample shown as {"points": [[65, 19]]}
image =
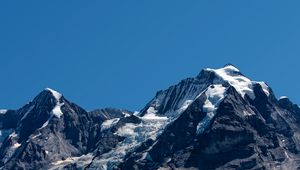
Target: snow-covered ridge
{"points": [[235, 78], [283, 97], [56, 94], [57, 109], [3, 111]]}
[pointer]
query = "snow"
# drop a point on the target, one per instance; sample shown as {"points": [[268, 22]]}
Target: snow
{"points": [[265, 88], [28, 111], [233, 76], [126, 114], [183, 94], [134, 135], [81, 162], [241, 83], [136, 113], [151, 110], [185, 105], [127, 130], [215, 94], [13, 147], [13, 135], [35, 136], [57, 109], [56, 94], [109, 124], [68, 160], [151, 114], [3, 111], [16, 145], [283, 97]]}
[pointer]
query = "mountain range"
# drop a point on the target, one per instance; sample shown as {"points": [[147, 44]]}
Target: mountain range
{"points": [[219, 119]]}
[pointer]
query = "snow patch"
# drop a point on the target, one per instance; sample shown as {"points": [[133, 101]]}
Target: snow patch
{"points": [[153, 116], [136, 113], [68, 160], [185, 105], [57, 110], [13, 135], [265, 88], [56, 94], [13, 147], [28, 111], [283, 97], [16, 145], [215, 94], [3, 111], [127, 130], [81, 162], [125, 114], [109, 124]]}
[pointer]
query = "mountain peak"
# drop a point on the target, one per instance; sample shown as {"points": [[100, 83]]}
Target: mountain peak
{"points": [[230, 65], [235, 78], [55, 94], [232, 75]]}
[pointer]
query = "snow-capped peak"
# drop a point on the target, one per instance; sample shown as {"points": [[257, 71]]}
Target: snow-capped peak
{"points": [[235, 78], [56, 94]]}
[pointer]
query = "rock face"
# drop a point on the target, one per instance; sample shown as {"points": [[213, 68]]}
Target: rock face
{"points": [[218, 120]]}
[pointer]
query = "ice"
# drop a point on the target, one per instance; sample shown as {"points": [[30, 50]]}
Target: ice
{"points": [[134, 135], [127, 130], [215, 94]]}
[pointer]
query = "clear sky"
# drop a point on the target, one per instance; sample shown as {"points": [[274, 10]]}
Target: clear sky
{"points": [[119, 53]]}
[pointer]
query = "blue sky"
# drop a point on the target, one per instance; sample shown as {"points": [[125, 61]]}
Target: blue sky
{"points": [[119, 53]]}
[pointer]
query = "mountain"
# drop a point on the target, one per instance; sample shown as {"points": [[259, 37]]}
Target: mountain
{"points": [[219, 119]]}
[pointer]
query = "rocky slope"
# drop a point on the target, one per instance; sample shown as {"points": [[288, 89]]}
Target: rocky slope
{"points": [[219, 119]]}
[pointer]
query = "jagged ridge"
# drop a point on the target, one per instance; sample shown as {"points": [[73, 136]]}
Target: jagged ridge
{"points": [[218, 120]]}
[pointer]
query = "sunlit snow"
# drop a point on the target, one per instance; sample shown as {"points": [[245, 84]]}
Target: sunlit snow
{"points": [[3, 111], [215, 95], [57, 109], [109, 124], [283, 97], [241, 83]]}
